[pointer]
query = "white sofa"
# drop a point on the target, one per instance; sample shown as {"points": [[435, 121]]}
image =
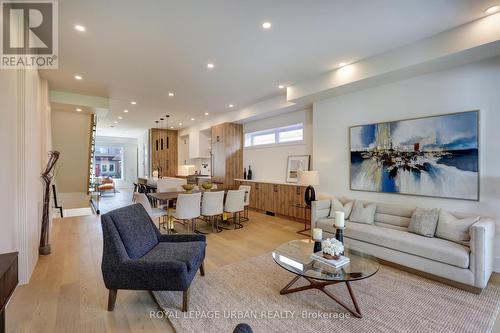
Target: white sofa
{"points": [[388, 239]]}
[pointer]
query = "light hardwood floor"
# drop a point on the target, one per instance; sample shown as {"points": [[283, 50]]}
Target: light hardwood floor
{"points": [[67, 294]]}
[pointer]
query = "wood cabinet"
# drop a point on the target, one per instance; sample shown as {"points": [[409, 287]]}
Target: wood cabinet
{"points": [[227, 154], [164, 151], [282, 199]]}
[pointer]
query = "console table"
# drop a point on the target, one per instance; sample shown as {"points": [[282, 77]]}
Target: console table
{"points": [[8, 282]]}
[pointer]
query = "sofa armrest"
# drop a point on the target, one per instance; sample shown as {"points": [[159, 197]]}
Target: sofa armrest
{"points": [[320, 209], [182, 238], [482, 235]]}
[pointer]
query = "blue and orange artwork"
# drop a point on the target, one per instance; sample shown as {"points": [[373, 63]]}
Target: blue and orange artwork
{"points": [[434, 156]]}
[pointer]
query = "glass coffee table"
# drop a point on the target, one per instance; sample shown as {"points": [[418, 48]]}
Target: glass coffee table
{"points": [[295, 257]]}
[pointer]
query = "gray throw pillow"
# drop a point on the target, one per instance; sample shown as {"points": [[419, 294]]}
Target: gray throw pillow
{"points": [[337, 206], [363, 214], [424, 222], [454, 229]]}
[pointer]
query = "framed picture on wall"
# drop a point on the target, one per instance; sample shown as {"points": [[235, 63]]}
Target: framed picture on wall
{"points": [[295, 164], [435, 156]]}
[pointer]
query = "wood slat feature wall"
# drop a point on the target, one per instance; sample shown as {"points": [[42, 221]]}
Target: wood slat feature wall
{"points": [[164, 151]]}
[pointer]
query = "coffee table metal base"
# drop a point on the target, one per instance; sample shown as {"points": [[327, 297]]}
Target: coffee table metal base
{"points": [[320, 285]]}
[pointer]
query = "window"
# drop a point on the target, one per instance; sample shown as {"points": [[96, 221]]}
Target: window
{"points": [[109, 162], [293, 133]]}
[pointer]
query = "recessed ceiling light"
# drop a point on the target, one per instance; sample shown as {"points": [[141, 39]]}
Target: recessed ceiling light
{"points": [[171, 127], [206, 113], [231, 105], [126, 111], [192, 119], [210, 65], [171, 94], [266, 25], [180, 124], [115, 122], [78, 110], [78, 77], [342, 64], [80, 28], [133, 103], [120, 117], [492, 9], [281, 86]]}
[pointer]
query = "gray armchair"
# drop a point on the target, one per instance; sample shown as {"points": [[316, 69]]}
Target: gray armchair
{"points": [[136, 256]]}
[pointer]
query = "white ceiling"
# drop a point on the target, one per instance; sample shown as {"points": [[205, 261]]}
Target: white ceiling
{"points": [[141, 50]]}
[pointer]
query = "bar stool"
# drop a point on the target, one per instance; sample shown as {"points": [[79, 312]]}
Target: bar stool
{"points": [[235, 204], [247, 189], [212, 207]]}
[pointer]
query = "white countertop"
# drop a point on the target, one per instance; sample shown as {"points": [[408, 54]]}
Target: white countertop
{"points": [[268, 182]]}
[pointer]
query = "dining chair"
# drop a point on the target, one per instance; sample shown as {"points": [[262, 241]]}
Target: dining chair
{"points": [[188, 208], [235, 204], [154, 213], [247, 189], [212, 207]]}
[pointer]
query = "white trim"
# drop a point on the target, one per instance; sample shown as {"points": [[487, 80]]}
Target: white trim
{"points": [[22, 191]]}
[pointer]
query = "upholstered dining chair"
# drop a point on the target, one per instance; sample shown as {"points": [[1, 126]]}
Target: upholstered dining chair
{"points": [[187, 209], [137, 257], [235, 204], [154, 213], [247, 189], [212, 207]]}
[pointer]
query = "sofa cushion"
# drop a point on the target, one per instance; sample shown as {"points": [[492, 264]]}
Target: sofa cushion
{"points": [[431, 248], [326, 224], [136, 229], [424, 222], [337, 206], [190, 253], [454, 229], [363, 213]]}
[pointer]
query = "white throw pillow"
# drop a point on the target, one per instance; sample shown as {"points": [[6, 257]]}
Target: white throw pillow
{"points": [[337, 206], [363, 214], [454, 229], [424, 221]]}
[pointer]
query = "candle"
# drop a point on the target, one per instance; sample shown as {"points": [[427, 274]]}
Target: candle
{"points": [[339, 220], [317, 234]]}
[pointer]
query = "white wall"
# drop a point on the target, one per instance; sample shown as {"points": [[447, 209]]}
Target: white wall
{"points": [[71, 137], [269, 163], [24, 142], [471, 87], [143, 154], [130, 146]]}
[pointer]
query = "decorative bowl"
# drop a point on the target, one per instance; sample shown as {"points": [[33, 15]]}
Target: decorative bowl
{"points": [[330, 257], [188, 187], [207, 186]]}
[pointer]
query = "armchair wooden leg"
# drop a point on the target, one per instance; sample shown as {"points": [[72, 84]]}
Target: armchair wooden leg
{"points": [[185, 299], [202, 270], [112, 299]]}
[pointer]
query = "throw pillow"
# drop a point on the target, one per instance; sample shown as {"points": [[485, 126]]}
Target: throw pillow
{"points": [[337, 206], [363, 214], [454, 229], [424, 222]]}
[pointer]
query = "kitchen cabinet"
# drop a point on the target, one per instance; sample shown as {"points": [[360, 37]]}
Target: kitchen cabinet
{"points": [[199, 144], [282, 199], [164, 151], [227, 154]]}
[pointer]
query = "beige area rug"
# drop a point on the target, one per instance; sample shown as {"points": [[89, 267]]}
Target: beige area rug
{"points": [[391, 301]]}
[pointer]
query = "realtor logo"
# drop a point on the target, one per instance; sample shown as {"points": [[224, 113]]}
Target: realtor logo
{"points": [[29, 36]]}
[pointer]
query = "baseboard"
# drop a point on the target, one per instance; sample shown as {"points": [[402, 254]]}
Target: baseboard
{"points": [[496, 265]]}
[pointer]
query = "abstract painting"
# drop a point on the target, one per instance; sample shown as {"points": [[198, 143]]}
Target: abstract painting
{"points": [[434, 156], [295, 164]]}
